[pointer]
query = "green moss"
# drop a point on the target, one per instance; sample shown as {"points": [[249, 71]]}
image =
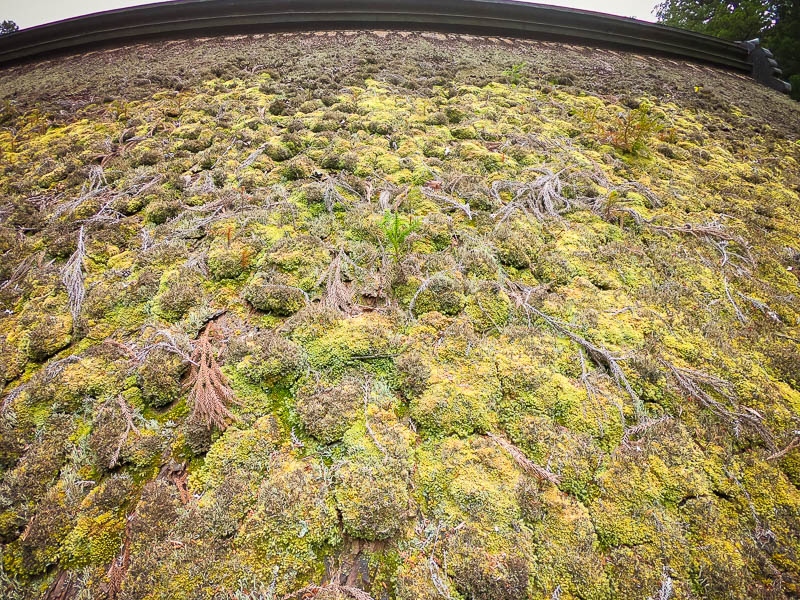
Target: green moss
{"points": [[277, 299], [366, 386], [470, 480], [297, 168], [489, 309], [335, 346], [328, 410], [236, 449], [94, 541], [293, 526], [51, 335], [33, 553], [159, 377], [442, 293], [160, 211], [268, 359], [372, 498], [277, 150], [459, 399], [176, 297], [230, 261]]}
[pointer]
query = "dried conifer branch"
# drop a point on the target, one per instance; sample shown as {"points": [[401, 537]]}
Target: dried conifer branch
{"points": [[795, 443], [119, 566], [72, 277], [22, 269], [543, 197], [337, 295], [525, 463], [642, 428], [521, 294], [763, 307], [95, 186], [463, 206], [251, 158], [737, 311], [331, 195], [693, 383], [210, 393], [170, 343], [311, 591], [590, 389], [129, 425]]}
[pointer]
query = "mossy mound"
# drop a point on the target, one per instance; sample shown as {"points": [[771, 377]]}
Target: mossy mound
{"points": [[400, 316]]}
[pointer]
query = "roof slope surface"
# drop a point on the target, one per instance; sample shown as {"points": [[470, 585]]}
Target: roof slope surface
{"points": [[397, 315]]}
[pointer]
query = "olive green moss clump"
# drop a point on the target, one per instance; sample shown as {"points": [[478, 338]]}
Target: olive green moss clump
{"points": [[491, 320]]}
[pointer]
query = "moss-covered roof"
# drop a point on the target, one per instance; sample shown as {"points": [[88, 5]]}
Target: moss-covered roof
{"points": [[397, 315]]}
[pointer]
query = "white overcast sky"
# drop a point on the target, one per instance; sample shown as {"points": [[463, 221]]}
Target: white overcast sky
{"points": [[27, 13]]}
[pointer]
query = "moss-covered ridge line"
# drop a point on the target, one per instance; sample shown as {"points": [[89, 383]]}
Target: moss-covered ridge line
{"points": [[461, 327], [495, 17]]}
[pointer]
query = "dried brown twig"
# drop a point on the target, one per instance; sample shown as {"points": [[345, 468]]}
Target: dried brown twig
{"points": [[525, 463], [210, 393]]}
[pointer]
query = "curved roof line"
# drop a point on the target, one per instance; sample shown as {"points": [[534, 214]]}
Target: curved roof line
{"points": [[510, 18]]}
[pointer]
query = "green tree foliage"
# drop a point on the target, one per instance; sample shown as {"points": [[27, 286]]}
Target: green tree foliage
{"points": [[8, 27], [775, 22]]}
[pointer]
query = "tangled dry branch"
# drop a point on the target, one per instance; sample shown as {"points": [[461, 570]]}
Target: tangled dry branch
{"points": [[693, 384], [521, 295]]}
